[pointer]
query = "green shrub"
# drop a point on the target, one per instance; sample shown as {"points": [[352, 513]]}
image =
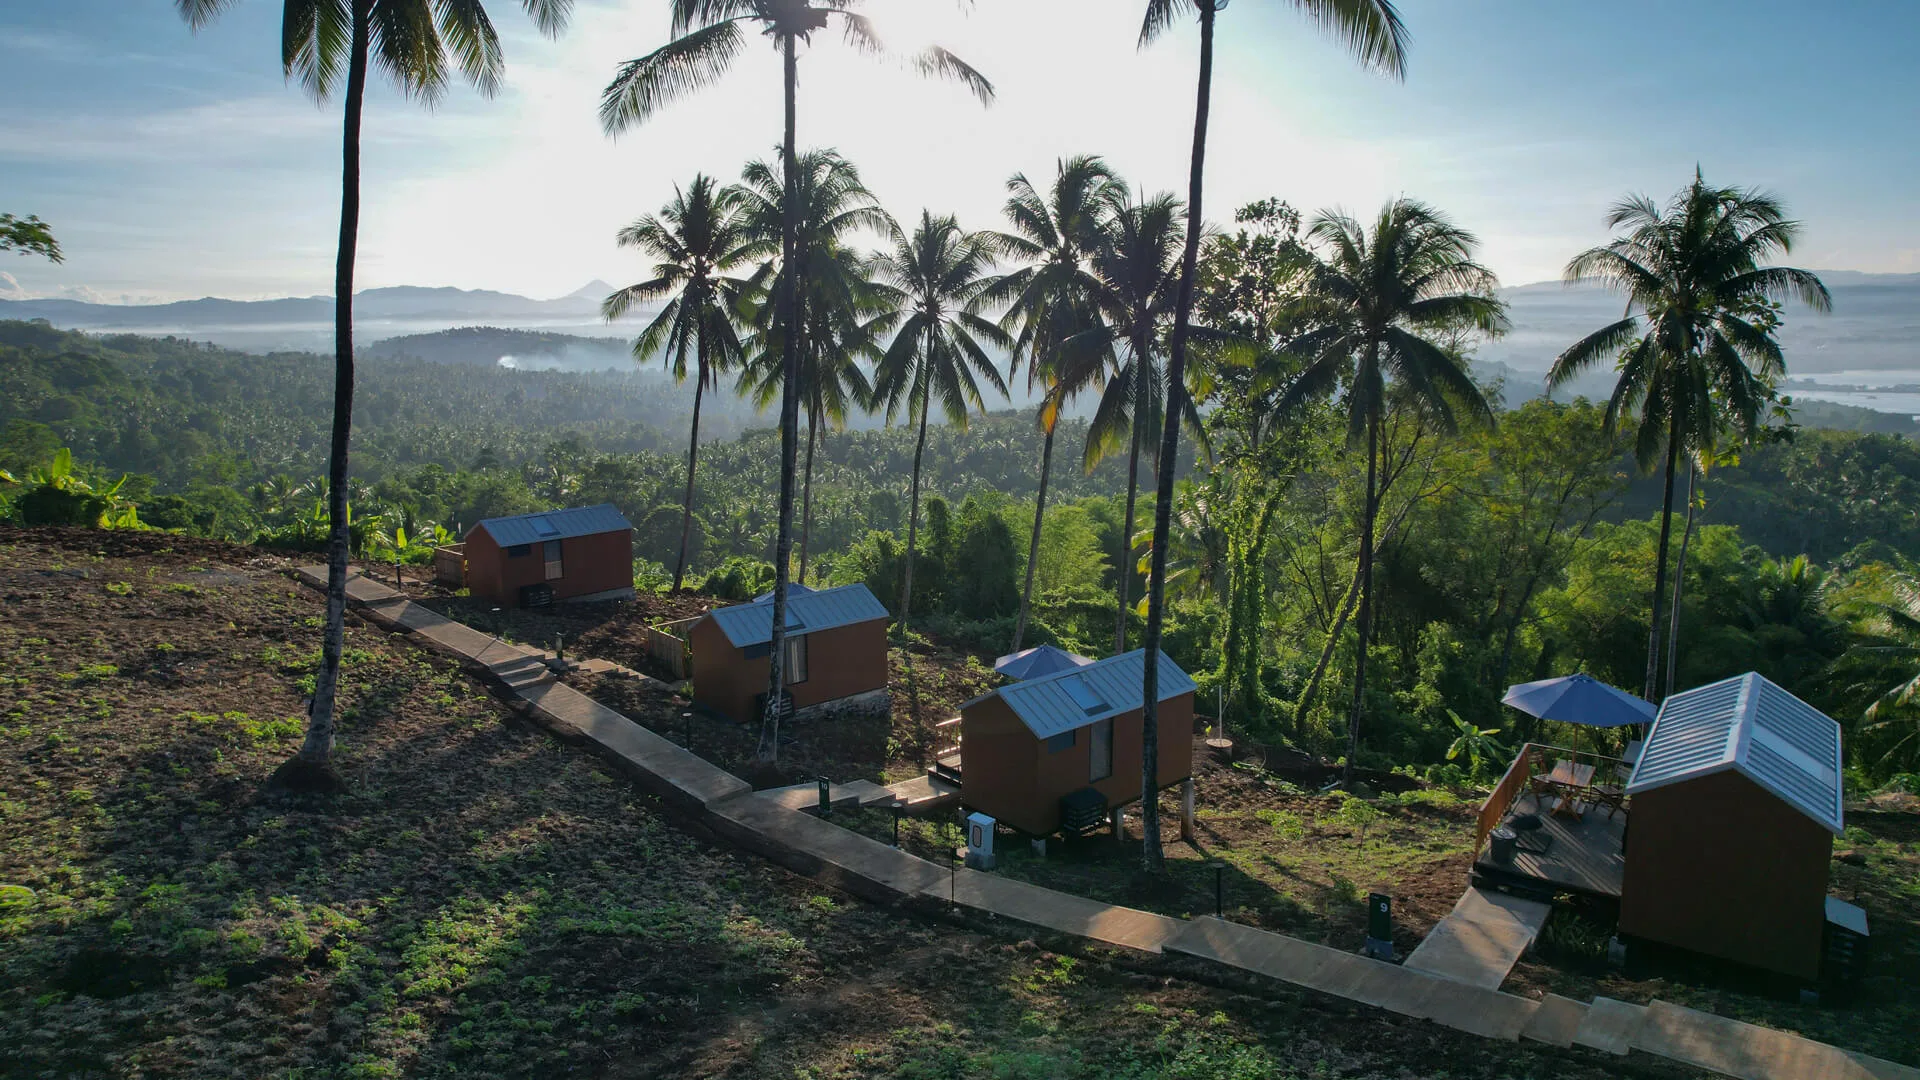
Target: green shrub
{"points": [[1357, 814]]}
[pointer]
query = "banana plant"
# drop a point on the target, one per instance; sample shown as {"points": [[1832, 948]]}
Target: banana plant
{"points": [[1476, 743]]}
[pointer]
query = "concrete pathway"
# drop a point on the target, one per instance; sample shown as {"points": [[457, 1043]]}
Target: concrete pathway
{"points": [[1481, 939], [1394, 988], [806, 797], [1452, 984], [922, 795]]}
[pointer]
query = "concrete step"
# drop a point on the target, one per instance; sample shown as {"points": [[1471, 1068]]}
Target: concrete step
{"points": [[1481, 939], [924, 794], [1610, 1026], [807, 796], [1555, 1021]]}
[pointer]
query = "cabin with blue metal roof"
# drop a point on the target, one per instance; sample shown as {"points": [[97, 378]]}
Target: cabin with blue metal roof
{"points": [[530, 560], [836, 655], [1062, 750], [1736, 798]]}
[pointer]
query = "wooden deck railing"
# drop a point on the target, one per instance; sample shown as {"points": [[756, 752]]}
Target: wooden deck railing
{"points": [[1535, 759]]}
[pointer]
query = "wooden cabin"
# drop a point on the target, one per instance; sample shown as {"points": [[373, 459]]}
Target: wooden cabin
{"points": [[534, 559], [1736, 798], [836, 654], [1071, 735]]}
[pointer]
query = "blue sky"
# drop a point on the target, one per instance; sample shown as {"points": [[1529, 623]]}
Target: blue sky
{"points": [[176, 165]]}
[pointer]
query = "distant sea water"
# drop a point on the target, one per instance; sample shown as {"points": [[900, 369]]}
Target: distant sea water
{"points": [[1893, 390]]}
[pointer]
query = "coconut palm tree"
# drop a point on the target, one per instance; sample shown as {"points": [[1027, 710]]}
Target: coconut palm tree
{"points": [[418, 43], [699, 240], [1371, 30], [840, 307], [836, 297], [1692, 358], [942, 276], [1379, 293], [1883, 668], [1134, 272], [1050, 300], [708, 37]]}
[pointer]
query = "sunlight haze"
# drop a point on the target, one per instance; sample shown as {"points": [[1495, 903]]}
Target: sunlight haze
{"points": [[178, 165]]}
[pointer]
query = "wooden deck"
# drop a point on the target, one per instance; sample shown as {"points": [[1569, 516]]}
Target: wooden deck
{"points": [[1586, 856]]}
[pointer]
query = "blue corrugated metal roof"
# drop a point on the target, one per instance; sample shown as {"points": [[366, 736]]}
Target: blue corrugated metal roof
{"points": [[1748, 725], [807, 611], [1054, 704], [554, 525]]}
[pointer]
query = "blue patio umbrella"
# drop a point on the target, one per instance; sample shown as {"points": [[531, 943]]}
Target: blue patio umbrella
{"points": [[1579, 699], [1037, 661]]}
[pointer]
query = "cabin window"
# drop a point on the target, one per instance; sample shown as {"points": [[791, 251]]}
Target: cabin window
{"points": [[1083, 695], [1102, 749], [519, 551], [1062, 741], [553, 559], [796, 665]]}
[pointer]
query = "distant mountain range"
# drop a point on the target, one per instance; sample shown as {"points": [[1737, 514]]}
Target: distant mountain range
{"points": [[399, 302], [1875, 325], [306, 322]]}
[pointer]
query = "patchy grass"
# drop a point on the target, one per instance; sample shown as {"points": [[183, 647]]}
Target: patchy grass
{"points": [[1292, 862], [485, 901], [1302, 865]]}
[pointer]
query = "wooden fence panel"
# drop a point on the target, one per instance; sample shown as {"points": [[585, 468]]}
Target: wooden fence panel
{"points": [[667, 644], [450, 565]]}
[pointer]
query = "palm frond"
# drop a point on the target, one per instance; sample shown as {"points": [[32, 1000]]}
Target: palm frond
{"points": [[315, 38], [1783, 283], [469, 34], [198, 13], [938, 62], [1589, 350], [644, 86], [549, 16]]}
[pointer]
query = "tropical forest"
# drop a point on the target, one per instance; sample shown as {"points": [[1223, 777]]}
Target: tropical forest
{"points": [[1368, 640]]}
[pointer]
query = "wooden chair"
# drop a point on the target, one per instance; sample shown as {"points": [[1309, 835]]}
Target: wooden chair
{"points": [[1537, 768], [1611, 796]]}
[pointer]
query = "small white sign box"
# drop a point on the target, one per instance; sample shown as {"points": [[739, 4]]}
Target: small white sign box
{"points": [[980, 841]]}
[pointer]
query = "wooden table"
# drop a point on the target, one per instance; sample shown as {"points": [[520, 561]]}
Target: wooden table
{"points": [[1570, 779]]}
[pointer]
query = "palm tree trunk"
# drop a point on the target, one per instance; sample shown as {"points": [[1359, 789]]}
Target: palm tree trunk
{"points": [[913, 514], [769, 749], [693, 460], [1169, 451], [806, 491], [1660, 566], [1679, 580], [1326, 650], [1033, 547], [1365, 621], [314, 762], [1125, 585], [1250, 590]]}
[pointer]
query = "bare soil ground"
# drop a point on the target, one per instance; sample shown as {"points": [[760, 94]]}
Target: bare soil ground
{"points": [[1292, 861], [929, 680], [484, 901], [928, 684]]}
